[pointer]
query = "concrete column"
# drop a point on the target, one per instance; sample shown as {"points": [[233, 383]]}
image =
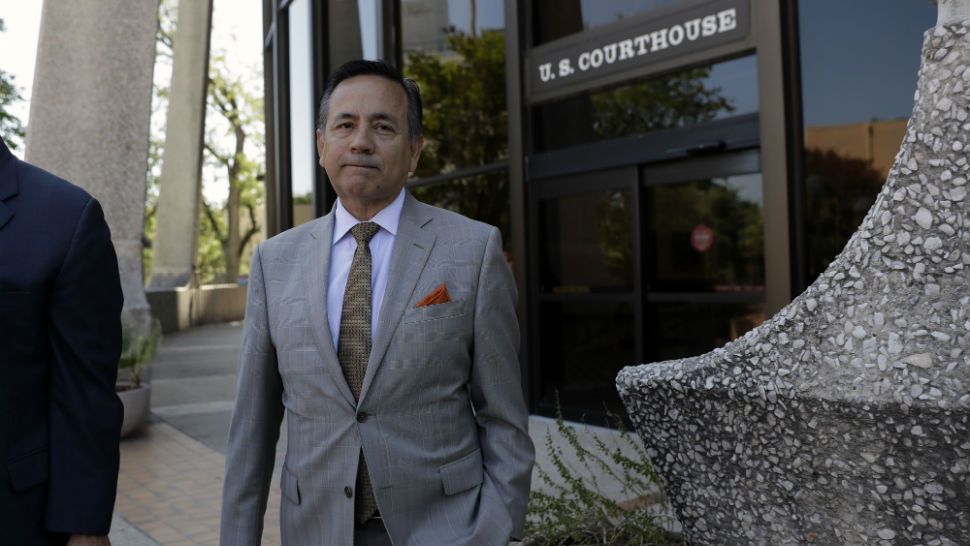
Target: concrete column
{"points": [[90, 111], [177, 224], [844, 419]]}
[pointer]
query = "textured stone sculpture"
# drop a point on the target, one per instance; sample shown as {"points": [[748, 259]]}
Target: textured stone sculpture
{"points": [[844, 418]]}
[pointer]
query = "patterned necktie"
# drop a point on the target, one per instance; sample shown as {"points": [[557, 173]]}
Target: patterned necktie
{"points": [[354, 345]]}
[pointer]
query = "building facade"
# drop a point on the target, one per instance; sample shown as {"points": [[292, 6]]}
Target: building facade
{"points": [[666, 173]]}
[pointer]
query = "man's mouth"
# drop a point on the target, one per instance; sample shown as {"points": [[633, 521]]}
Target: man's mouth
{"points": [[361, 165]]}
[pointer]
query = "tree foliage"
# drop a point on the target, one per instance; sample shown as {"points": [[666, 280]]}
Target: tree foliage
{"points": [[838, 192], [233, 160], [11, 128], [238, 115], [465, 123], [675, 100]]}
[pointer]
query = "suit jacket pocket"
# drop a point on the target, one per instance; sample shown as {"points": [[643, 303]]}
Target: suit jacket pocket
{"points": [[433, 312], [28, 470], [290, 486], [463, 474]]}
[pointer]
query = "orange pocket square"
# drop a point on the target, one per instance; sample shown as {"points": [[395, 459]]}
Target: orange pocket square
{"points": [[437, 296]]}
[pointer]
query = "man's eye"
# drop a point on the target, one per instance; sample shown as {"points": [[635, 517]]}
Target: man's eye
{"points": [[384, 128], [344, 125]]}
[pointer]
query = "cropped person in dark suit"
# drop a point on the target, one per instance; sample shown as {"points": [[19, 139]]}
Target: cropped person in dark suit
{"points": [[60, 340]]}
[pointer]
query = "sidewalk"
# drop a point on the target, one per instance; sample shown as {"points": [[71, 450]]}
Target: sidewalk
{"points": [[170, 484]]}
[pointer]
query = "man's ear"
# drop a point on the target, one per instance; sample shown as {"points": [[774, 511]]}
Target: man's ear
{"points": [[416, 148], [321, 147]]}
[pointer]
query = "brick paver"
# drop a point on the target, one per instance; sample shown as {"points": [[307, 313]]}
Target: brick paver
{"points": [[170, 487]]}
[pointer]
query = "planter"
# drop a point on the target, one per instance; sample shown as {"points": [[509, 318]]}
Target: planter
{"points": [[136, 401]]}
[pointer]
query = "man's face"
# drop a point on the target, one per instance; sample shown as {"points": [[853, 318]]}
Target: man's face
{"points": [[364, 145]]}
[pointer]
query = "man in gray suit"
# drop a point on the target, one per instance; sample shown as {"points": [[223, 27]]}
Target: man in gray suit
{"points": [[386, 330]]}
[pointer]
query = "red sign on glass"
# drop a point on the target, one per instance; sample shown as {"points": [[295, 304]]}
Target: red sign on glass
{"points": [[702, 238]]}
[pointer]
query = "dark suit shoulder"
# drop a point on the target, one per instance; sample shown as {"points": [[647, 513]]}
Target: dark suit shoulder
{"points": [[56, 196]]}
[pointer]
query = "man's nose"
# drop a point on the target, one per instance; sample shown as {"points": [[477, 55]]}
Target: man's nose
{"points": [[362, 142]]}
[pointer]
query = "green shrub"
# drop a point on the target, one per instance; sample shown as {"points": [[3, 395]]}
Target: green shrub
{"points": [[574, 511], [137, 351]]}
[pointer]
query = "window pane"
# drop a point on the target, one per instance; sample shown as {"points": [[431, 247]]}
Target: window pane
{"points": [[484, 198], [586, 243], [681, 330], [556, 19], [855, 108], [706, 235], [584, 345], [681, 99], [302, 151], [462, 78]]}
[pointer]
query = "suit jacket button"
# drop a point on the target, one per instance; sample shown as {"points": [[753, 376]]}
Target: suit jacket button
{"points": [[362, 416], [349, 491]]}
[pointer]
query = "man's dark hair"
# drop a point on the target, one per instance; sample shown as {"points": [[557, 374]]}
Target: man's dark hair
{"points": [[374, 68]]}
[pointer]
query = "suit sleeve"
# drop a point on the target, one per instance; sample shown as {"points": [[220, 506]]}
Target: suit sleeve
{"points": [[496, 388], [84, 314], [255, 425]]}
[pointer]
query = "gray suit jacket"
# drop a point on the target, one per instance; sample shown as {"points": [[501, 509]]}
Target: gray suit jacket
{"points": [[441, 417]]}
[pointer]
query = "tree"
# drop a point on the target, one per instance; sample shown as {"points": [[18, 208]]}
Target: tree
{"points": [[674, 100], [233, 157], [241, 117], [465, 123], [11, 128], [839, 191]]}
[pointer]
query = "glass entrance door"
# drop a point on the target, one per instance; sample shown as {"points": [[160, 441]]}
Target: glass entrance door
{"points": [[640, 264], [586, 307], [704, 266]]}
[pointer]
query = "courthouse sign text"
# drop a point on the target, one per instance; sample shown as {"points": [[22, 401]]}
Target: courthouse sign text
{"points": [[633, 43]]}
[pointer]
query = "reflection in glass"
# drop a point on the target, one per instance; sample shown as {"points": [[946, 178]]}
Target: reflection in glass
{"points": [[838, 192], [303, 208], [681, 330], [586, 243], [556, 19], [855, 109], [684, 98], [706, 235], [584, 345], [462, 78], [484, 198], [302, 118]]}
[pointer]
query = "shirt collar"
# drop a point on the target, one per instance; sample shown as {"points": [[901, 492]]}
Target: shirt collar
{"points": [[388, 218]]}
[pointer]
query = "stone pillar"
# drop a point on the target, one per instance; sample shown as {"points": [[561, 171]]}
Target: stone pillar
{"points": [[177, 223], [845, 419], [89, 115]]}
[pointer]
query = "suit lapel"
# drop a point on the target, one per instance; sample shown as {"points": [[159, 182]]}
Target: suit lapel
{"points": [[316, 268], [8, 182], [412, 246]]}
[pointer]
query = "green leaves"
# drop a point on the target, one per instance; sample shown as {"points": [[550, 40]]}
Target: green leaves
{"points": [[465, 116], [570, 508], [137, 350], [11, 128]]}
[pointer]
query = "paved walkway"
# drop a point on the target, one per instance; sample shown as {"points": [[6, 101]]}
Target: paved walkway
{"points": [[170, 485]]}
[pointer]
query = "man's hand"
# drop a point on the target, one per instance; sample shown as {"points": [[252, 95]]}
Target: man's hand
{"points": [[88, 540]]}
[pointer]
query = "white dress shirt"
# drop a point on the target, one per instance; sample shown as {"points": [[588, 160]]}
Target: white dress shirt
{"points": [[342, 252]]}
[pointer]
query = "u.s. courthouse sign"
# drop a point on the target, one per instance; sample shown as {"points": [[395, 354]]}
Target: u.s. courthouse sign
{"points": [[633, 46]]}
